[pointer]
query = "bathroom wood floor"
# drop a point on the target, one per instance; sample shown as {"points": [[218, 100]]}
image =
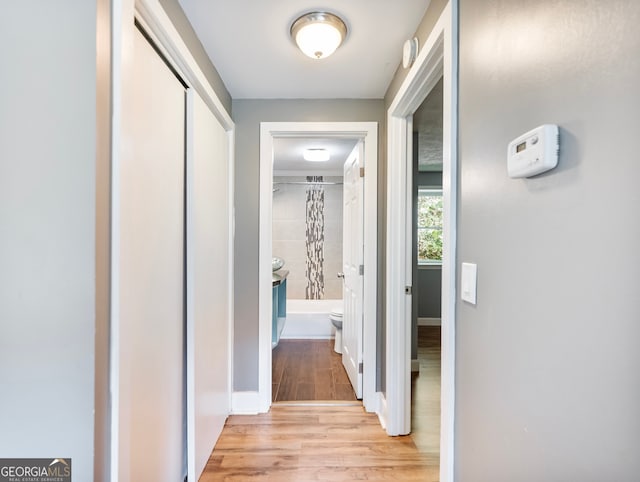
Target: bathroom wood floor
{"points": [[305, 370], [333, 442]]}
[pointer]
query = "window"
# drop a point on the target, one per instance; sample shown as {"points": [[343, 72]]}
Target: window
{"points": [[429, 226]]}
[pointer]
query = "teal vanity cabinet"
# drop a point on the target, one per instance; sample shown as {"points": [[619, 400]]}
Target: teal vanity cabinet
{"points": [[279, 305]]}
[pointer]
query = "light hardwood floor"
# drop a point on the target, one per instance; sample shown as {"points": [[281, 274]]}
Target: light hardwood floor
{"points": [[315, 443], [334, 442], [425, 392]]}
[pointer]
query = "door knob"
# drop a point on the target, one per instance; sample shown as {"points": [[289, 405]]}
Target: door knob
{"points": [[341, 275]]}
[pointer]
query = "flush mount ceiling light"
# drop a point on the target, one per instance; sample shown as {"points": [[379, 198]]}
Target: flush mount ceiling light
{"points": [[318, 34], [316, 155]]}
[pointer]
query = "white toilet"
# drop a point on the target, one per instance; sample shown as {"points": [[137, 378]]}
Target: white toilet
{"points": [[336, 320]]}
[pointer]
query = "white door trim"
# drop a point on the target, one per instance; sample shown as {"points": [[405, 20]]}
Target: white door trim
{"points": [[368, 132], [437, 58], [160, 28]]}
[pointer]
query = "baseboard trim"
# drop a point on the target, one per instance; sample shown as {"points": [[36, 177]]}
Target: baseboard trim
{"points": [[429, 322], [245, 403]]}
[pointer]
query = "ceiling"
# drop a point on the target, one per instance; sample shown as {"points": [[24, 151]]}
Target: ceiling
{"points": [[248, 41], [287, 157]]}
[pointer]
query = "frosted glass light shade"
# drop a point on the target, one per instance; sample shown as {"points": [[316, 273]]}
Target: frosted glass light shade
{"points": [[316, 155], [318, 34]]}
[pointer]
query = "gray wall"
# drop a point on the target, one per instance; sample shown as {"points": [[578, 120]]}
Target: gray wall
{"points": [[102, 431], [547, 383], [247, 115], [48, 224], [184, 28]]}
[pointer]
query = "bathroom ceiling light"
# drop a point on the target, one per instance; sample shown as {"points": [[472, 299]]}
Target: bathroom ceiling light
{"points": [[316, 155], [318, 34]]}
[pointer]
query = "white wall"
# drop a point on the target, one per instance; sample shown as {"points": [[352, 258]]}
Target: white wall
{"points": [[47, 230]]}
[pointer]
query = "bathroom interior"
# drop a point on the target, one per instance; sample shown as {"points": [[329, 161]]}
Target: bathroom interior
{"points": [[307, 262]]}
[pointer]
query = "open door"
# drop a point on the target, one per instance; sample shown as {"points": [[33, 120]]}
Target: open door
{"points": [[352, 261]]}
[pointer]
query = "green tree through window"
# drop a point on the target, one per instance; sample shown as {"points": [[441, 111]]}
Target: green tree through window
{"points": [[429, 226]]}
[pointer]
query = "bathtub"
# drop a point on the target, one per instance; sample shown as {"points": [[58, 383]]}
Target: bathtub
{"points": [[309, 319]]}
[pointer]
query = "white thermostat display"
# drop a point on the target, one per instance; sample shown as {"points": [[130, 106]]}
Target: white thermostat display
{"points": [[534, 152]]}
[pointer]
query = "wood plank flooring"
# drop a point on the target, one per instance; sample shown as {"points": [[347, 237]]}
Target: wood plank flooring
{"points": [[304, 443], [315, 443], [425, 392], [306, 370]]}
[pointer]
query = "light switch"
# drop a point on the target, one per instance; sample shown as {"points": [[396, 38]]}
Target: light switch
{"points": [[468, 282]]}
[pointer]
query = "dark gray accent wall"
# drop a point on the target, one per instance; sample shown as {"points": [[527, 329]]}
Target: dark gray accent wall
{"points": [[429, 291], [547, 384], [247, 115], [184, 28]]}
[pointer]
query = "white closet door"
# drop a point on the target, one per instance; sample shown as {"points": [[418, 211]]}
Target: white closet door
{"points": [[151, 275], [208, 286]]}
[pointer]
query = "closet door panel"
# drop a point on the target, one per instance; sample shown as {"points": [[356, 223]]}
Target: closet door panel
{"points": [[151, 272], [209, 272]]}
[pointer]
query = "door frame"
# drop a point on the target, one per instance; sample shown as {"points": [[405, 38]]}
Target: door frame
{"points": [[368, 133], [438, 58]]}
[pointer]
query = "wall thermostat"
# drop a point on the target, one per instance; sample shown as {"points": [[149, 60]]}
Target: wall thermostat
{"points": [[534, 152]]}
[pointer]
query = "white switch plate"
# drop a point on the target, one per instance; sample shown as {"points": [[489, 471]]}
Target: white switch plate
{"points": [[468, 282]]}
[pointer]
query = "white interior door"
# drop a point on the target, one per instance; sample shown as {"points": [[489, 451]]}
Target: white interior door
{"points": [[151, 273], [352, 260]]}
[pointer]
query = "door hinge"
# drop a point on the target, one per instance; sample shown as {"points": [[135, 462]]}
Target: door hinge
{"points": [[360, 367], [361, 270], [408, 290], [362, 172]]}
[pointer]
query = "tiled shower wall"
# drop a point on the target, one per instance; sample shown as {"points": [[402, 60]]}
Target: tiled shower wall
{"points": [[307, 234]]}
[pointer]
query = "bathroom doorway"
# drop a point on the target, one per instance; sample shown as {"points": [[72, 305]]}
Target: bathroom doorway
{"points": [[350, 132], [307, 246]]}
